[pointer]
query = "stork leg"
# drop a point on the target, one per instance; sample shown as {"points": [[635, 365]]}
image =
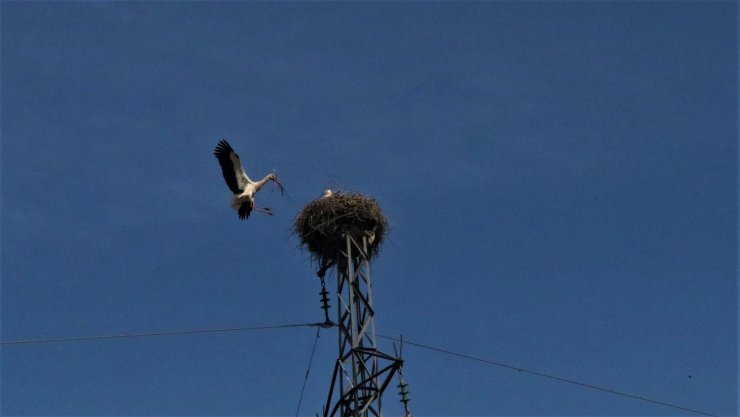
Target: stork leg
{"points": [[265, 210]]}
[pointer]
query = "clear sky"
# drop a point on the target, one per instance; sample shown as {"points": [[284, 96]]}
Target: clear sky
{"points": [[560, 178]]}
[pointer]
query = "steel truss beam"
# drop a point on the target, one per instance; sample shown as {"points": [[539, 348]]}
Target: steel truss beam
{"points": [[361, 372]]}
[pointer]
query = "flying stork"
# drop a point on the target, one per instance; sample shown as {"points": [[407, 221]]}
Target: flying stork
{"points": [[239, 183]]}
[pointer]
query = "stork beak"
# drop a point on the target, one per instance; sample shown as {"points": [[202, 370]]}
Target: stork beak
{"points": [[280, 185]]}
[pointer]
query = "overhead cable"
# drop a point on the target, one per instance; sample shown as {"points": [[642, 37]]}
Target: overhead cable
{"points": [[300, 399], [553, 377], [330, 324], [173, 333]]}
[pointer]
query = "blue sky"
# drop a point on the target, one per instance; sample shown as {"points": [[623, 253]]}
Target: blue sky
{"points": [[560, 178]]}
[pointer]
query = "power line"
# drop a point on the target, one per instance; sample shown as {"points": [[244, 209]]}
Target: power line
{"points": [[300, 399], [329, 324], [176, 333], [556, 378]]}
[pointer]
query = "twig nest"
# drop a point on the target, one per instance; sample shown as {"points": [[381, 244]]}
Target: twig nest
{"points": [[323, 222]]}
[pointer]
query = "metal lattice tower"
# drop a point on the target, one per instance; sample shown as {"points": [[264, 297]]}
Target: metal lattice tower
{"points": [[361, 372]]}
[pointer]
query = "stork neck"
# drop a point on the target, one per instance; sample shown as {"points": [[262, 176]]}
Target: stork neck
{"points": [[259, 184]]}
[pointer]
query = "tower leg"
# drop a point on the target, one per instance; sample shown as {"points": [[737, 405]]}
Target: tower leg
{"points": [[361, 372]]}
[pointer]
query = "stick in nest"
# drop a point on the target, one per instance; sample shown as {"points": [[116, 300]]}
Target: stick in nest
{"points": [[323, 222]]}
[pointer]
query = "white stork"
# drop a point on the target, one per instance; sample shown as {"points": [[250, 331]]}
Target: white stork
{"points": [[239, 183]]}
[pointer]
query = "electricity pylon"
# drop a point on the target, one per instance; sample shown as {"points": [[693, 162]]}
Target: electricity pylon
{"points": [[361, 372]]}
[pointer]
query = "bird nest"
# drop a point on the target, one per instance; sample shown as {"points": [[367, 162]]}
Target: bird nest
{"points": [[322, 224]]}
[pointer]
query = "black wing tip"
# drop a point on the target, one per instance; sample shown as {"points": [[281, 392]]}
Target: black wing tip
{"points": [[244, 211], [222, 148]]}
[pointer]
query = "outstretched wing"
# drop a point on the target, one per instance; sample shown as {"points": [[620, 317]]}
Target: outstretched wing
{"points": [[231, 167]]}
